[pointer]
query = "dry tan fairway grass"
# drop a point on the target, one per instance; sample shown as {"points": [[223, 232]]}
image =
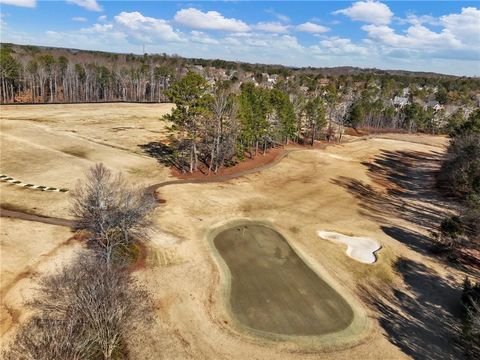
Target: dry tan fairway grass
{"points": [[53, 145], [378, 187], [28, 250]]}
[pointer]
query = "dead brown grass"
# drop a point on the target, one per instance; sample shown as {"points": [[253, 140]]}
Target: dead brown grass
{"points": [[374, 187]]}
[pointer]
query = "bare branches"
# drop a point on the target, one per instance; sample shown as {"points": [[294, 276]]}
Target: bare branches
{"points": [[114, 212], [83, 311]]}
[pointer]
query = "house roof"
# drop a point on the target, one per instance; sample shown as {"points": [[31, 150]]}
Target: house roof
{"points": [[400, 100], [432, 103]]}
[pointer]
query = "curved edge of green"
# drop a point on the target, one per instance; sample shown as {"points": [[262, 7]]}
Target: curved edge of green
{"points": [[356, 333]]}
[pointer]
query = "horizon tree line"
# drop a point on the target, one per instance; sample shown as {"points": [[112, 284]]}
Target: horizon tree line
{"points": [[43, 78]]}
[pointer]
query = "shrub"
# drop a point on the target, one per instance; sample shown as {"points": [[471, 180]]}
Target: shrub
{"points": [[471, 317], [113, 212], [84, 311]]}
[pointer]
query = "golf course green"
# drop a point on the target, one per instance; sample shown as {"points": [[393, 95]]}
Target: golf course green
{"points": [[273, 290]]}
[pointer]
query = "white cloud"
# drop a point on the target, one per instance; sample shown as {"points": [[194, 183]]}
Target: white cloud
{"points": [[281, 17], [464, 26], [79, 19], [202, 38], [146, 28], [269, 42], [22, 3], [452, 46], [210, 20], [416, 37], [273, 27], [97, 28], [458, 38], [338, 46], [372, 12], [87, 4], [419, 20], [312, 28]]}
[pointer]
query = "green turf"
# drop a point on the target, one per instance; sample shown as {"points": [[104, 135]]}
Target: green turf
{"points": [[273, 290]]}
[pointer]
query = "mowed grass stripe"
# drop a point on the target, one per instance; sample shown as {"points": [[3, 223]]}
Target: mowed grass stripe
{"points": [[273, 290]]}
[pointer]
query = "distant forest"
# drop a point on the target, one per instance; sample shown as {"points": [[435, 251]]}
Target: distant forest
{"points": [[31, 74]]}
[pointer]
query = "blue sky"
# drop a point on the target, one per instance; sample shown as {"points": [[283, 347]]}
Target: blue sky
{"points": [[440, 36]]}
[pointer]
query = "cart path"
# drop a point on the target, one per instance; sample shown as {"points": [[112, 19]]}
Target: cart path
{"points": [[152, 188], [37, 218]]}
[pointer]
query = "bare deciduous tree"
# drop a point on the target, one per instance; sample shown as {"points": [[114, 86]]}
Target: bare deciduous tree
{"points": [[223, 128], [114, 212], [84, 311]]}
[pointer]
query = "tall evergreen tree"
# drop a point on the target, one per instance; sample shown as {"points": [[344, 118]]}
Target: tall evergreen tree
{"points": [[192, 105]]}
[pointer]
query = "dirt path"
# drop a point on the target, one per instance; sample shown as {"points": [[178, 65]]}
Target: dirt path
{"points": [[222, 178], [37, 218], [152, 188]]}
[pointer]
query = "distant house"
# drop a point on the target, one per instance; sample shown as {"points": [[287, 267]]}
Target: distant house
{"points": [[272, 78], [210, 80], [400, 101], [248, 74], [359, 84], [250, 80], [182, 71], [323, 82], [198, 69], [304, 89], [435, 105], [221, 74]]}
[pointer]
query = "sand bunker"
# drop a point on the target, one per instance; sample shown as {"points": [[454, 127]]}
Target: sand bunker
{"points": [[359, 248]]}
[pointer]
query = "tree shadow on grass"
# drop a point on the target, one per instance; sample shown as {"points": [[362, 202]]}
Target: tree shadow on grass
{"points": [[171, 155], [412, 173], [416, 241], [407, 191], [423, 318]]}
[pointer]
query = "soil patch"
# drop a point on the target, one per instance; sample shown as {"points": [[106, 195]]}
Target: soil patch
{"points": [[273, 290], [249, 163]]}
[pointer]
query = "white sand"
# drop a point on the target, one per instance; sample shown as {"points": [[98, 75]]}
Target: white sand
{"points": [[359, 248]]}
